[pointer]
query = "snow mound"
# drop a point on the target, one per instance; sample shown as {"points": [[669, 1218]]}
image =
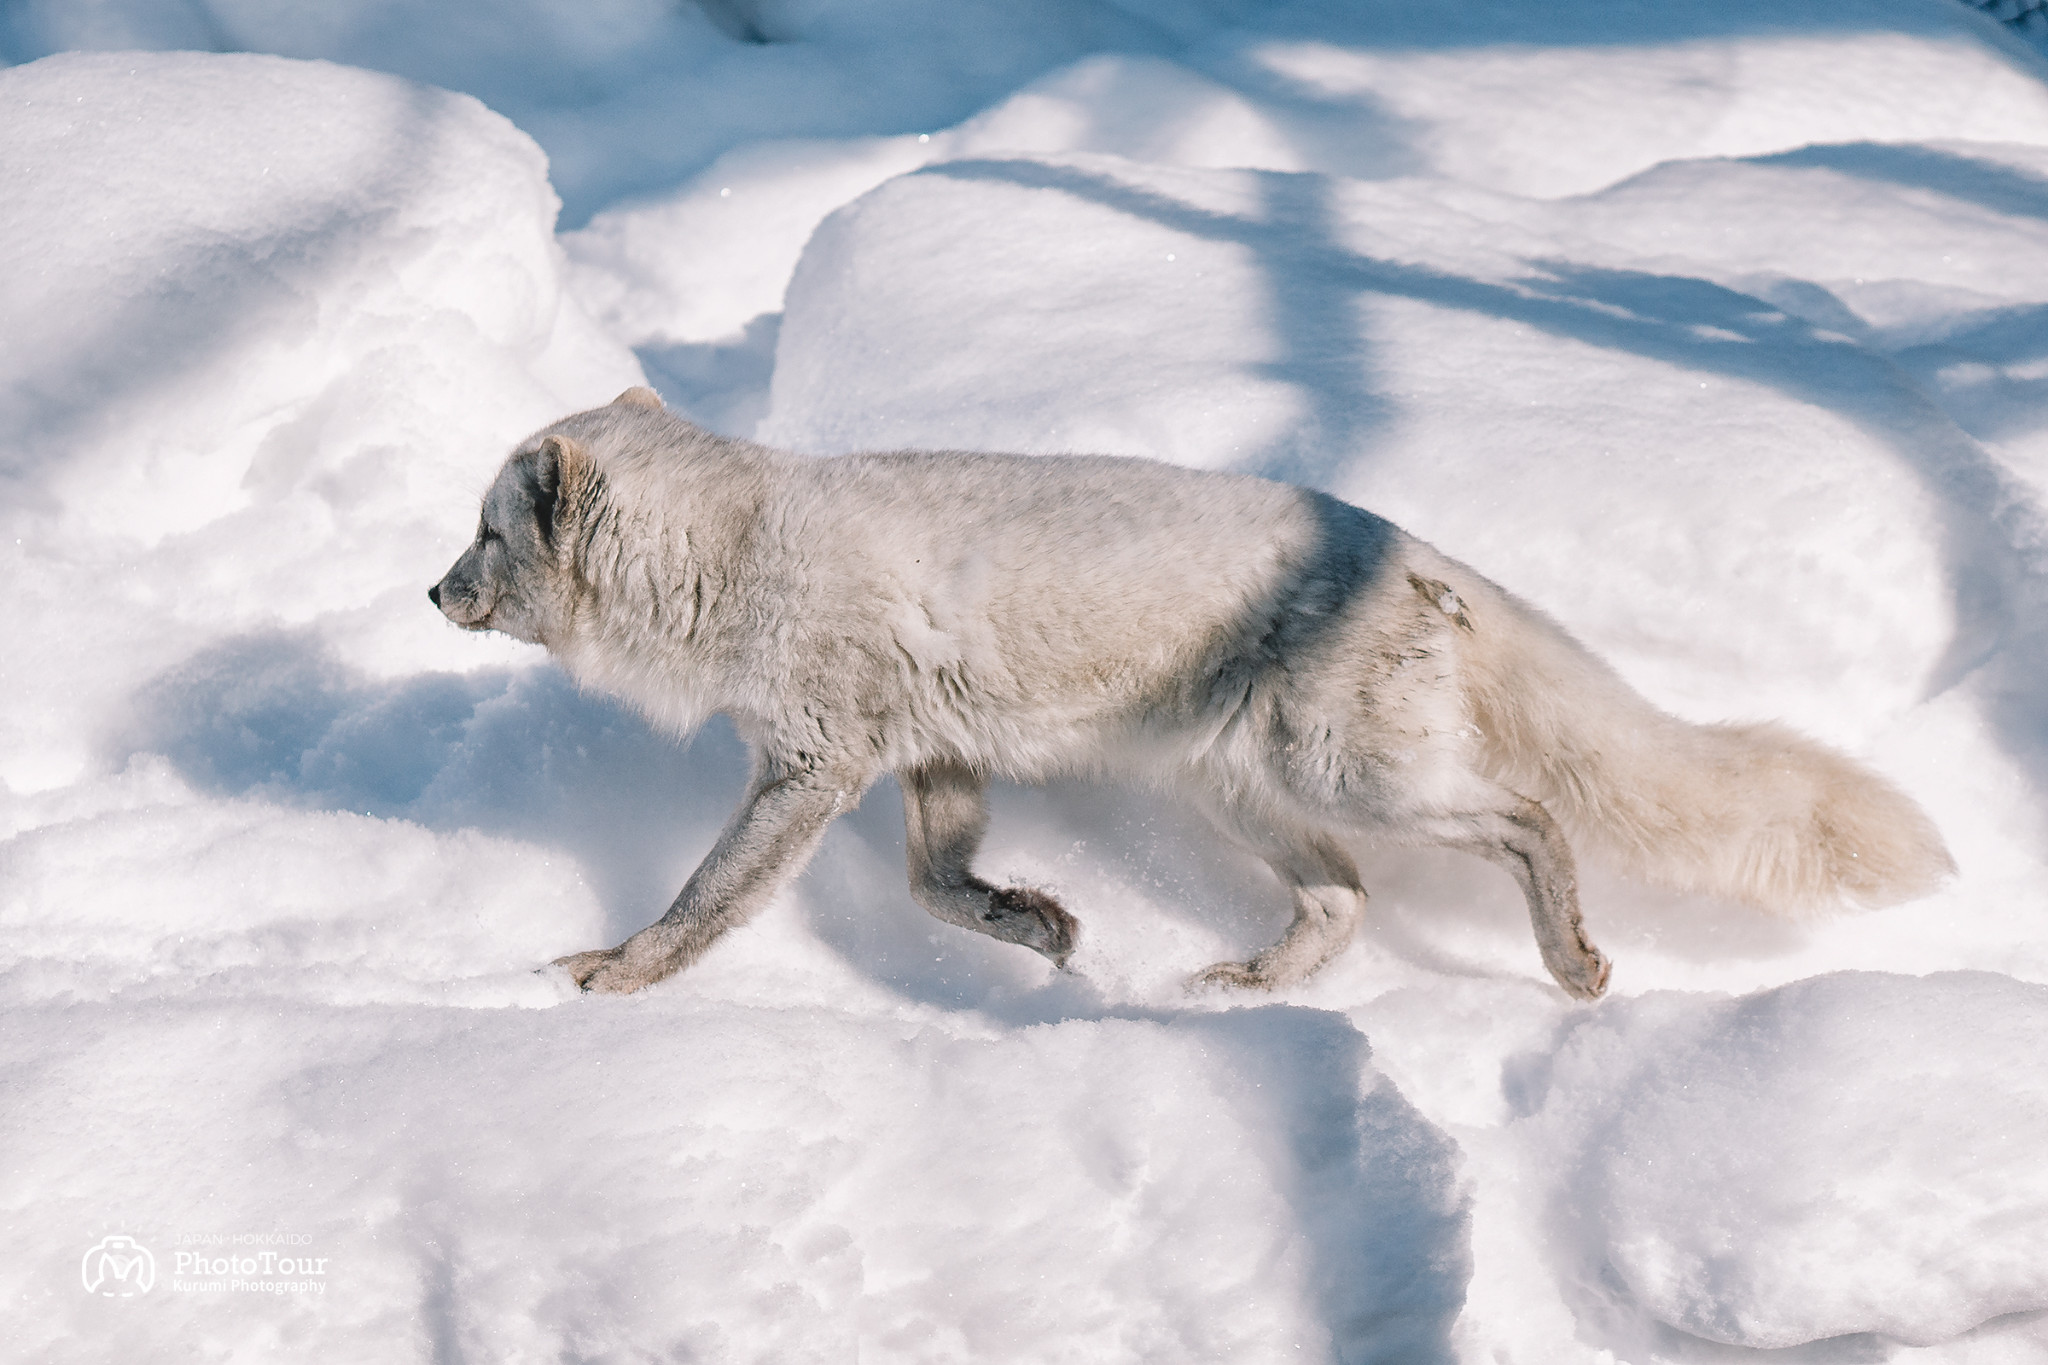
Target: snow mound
{"points": [[678, 1182], [1380, 91], [699, 264], [1852, 1153], [289, 316], [259, 282], [631, 96], [1705, 95]]}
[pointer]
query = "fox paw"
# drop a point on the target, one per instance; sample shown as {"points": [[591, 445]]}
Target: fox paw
{"points": [[605, 971], [1242, 976], [1038, 921], [1584, 975]]}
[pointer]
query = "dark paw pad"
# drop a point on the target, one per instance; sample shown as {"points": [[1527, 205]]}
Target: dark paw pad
{"points": [[1035, 920], [1242, 976]]}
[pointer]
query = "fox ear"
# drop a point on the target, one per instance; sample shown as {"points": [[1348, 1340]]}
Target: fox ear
{"points": [[559, 463], [639, 397]]}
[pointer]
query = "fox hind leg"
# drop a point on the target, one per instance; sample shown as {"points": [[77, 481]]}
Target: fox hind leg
{"points": [[1328, 899], [1514, 833], [1520, 836], [945, 813]]}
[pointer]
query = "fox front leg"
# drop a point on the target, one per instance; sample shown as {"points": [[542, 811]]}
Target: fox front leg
{"points": [[766, 843]]}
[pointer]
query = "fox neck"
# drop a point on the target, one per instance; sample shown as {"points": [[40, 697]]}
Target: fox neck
{"points": [[641, 623]]}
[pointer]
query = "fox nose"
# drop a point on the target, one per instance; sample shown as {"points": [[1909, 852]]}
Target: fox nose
{"points": [[434, 594]]}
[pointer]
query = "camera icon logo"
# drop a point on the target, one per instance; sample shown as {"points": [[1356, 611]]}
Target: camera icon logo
{"points": [[118, 1267]]}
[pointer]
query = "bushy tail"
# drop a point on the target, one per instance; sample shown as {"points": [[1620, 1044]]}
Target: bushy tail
{"points": [[1754, 812]]}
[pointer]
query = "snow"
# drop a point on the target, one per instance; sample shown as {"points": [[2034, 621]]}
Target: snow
{"points": [[1846, 1160], [1713, 329], [808, 1183], [1915, 1226]]}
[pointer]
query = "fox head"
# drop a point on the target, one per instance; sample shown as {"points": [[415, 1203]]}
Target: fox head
{"points": [[516, 576]]}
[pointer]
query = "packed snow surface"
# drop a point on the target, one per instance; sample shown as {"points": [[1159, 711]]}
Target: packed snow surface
{"points": [[1718, 331]]}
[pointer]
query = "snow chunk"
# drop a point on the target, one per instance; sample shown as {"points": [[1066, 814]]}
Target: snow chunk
{"points": [[1858, 1152]]}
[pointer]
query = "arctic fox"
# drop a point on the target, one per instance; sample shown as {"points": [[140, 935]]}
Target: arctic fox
{"points": [[1301, 669]]}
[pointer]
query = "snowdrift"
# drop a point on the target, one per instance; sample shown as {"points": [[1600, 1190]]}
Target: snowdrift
{"points": [[1910, 1221]]}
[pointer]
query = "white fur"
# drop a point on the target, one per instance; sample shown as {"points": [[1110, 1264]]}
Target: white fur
{"points": [[1300, 668]]}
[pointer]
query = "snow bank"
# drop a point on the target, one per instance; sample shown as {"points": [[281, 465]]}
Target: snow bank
{"points": [[699, 264], [1734, 95], [669, 1180], [634, 95], [259, 282], [288, 316], [169, 895], [1853, 1153], [1381, 91]]}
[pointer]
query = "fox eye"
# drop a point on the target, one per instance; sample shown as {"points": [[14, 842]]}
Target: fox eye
{"points": [[486, 533]]}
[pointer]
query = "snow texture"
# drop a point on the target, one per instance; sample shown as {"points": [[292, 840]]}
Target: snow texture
{"points": [[1719, 331], [1942, 1210]]}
